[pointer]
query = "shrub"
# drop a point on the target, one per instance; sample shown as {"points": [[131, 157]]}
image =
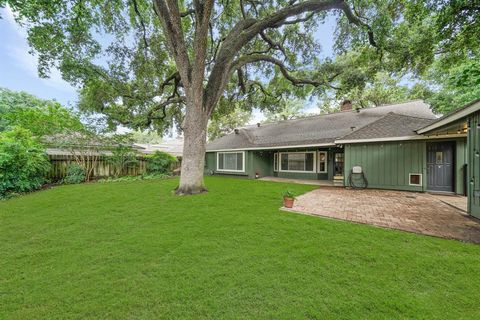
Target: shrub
{"points": [[75, 174], [160, 162], [136, 178], [23, 162], [122, 158]]}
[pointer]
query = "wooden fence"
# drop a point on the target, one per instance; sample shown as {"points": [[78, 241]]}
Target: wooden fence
{"points": [[102, 169]]}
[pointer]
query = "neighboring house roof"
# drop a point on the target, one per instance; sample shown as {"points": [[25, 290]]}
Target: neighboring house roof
{"points": [[314, 130], [173, 147], [65, 152], [391, 125]]}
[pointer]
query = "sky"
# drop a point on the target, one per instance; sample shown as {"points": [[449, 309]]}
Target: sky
{"points": [[18, 68]]}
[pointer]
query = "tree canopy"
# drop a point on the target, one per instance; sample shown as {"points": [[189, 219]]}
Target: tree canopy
{"points": [[41, 117]]}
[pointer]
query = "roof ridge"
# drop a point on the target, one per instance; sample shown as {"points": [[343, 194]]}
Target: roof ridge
{"points": [[328, 114], [365, 126]]}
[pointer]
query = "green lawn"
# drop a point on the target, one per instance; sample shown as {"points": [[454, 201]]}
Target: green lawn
{"points": [[132, 250]]}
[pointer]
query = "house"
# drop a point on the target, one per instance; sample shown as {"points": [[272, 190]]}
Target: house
{"points": [[402, 146]]}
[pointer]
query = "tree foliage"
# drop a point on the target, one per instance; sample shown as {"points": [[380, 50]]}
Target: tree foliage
{"points": [[160, 163], [41, 117], [224, 123], [23, 162], [123, 157], [287, 109], [131, 76], [459, 85], [426, 43]]}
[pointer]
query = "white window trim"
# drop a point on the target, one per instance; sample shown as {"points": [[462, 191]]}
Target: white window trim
{"points": [[314, 162], [227, 170], [326, 162], [275, 168], [414, 184]]}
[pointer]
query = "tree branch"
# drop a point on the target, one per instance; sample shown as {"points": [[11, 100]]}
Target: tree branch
{"points": [[245, 30], [150, 116], [142, 23], [283, 69], [169, 15]]}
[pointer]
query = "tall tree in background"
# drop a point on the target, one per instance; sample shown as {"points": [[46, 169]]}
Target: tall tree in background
{"points": [[431, 44], [287, 109], [223, 123], [166, 62], [39, 116]]}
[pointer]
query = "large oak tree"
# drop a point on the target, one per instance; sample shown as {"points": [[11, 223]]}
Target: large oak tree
{"points": [[163, 63]]}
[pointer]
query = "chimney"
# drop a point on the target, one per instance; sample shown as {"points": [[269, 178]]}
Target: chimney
{"points": [[258, 124], [346, 105]]}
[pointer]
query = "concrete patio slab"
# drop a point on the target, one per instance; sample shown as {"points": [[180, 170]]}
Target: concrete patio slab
{"points": [[414, 212]]}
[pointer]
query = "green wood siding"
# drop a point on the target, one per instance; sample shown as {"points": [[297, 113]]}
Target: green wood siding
{"points": [[261, 162], [461, 158], [474, 165], [387, 165], [211, 165]]}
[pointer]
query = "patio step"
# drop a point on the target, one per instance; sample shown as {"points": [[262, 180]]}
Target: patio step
{"points": [[338, 180]]}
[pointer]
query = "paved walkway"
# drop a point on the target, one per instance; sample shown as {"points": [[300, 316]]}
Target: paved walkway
{"points": [[458, 202], [415, 212]]}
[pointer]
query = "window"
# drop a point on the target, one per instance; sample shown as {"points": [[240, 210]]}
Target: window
{"points": [[415, 179], [322, 161], [297, 161], [439, 157], [275, 162], [231, 161]]}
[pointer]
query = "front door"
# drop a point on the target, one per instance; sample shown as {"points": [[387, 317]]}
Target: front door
{"points": [[440, 166]]}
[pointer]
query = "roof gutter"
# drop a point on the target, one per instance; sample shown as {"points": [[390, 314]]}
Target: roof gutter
{"points": [[404, 138], [279, 147]]}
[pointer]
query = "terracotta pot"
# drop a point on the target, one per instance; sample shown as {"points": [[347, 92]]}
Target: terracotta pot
{"points": [[288, 202]]}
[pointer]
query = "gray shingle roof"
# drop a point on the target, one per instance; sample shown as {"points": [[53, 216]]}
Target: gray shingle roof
{"points": [[388, 126], [315, 130]]}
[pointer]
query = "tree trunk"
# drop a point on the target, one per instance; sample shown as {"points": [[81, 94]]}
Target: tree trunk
{"points": [[194, 144]]}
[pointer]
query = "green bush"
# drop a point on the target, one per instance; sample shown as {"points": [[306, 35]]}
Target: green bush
{"points": [[160, 163], [136, 178], [122, 158], [75, 174], [23, 162]]}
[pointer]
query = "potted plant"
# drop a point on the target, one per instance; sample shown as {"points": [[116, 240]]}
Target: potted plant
{"points": [[288, 199]]}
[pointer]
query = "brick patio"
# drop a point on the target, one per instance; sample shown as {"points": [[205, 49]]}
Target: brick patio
{"points": [[414, 212]]}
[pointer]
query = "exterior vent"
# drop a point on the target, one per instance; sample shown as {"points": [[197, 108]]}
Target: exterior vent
{"points": [[236, 131], [258, 124]]}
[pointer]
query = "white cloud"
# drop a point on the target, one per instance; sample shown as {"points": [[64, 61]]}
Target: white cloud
{"points": [[19, 52]]}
